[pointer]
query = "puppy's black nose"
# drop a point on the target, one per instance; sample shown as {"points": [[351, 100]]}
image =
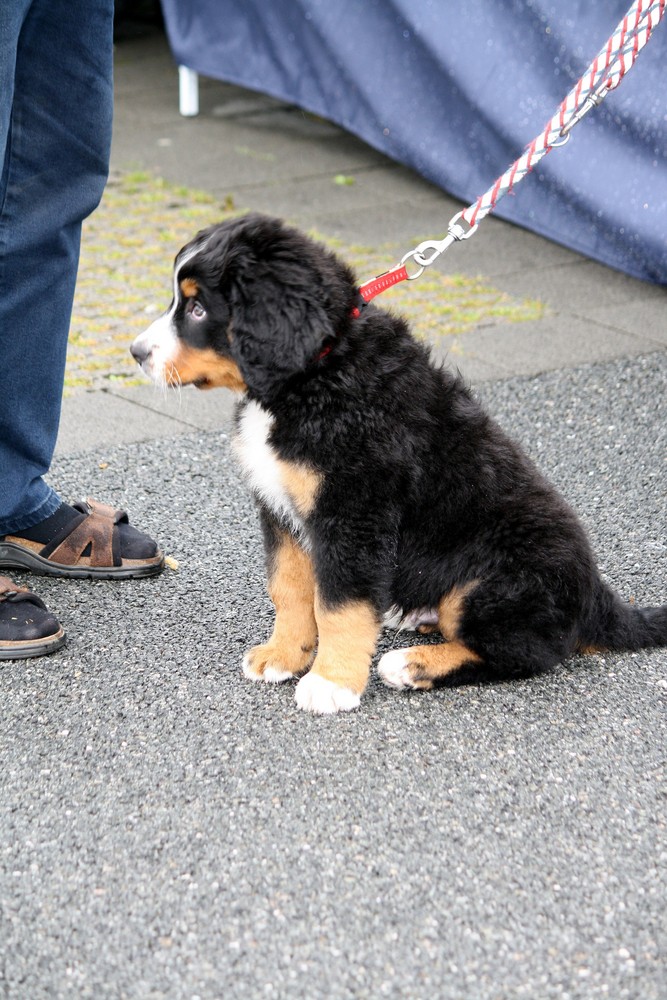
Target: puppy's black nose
{"points": [[140, 352]]}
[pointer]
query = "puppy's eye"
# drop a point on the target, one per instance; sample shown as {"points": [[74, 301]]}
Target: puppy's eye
{"points": [[197, 311]]}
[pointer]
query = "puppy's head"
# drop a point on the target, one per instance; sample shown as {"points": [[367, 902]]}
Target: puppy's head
{"points": [[254, 303]]}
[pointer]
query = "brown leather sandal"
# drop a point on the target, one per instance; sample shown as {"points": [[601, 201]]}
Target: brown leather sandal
{"points": [[27, 627], [88, 546]]}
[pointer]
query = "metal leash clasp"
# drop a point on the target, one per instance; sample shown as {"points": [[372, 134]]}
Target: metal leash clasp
{"points": [[591, 102], [455, 233]]}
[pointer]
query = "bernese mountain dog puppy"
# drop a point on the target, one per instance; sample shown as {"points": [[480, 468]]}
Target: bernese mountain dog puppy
{"points": [[385, 491]]}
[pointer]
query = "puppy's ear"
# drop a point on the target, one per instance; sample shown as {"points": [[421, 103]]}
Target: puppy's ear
{"points": [[287, 297], [277, 326]]}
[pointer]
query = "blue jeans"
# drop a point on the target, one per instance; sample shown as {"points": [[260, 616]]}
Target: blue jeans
{"points": [[56, 103]]}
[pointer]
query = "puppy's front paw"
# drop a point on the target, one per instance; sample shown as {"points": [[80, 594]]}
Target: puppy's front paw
{"points": [[322, 697], [263, 663]]}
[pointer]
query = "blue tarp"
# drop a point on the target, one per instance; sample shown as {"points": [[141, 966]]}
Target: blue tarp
{"points": [[456, 91]]}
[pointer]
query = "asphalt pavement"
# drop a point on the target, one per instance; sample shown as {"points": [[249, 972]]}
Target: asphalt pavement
{"points": [[169, 830]]}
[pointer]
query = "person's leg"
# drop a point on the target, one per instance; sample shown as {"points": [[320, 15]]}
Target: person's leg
{"points": [[55, 129]]}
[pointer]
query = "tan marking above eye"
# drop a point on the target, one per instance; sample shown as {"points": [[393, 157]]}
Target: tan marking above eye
{"points": [[204, 367], [189, 287]]}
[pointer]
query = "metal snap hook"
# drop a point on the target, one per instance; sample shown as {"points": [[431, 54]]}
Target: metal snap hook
{"points": [[412, 255]]}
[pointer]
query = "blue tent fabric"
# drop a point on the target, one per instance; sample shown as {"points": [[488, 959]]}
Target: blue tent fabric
{"points": [[456, 91]]}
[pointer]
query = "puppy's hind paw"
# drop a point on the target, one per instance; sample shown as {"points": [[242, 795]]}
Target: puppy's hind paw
{"points": [[322, 697], [394, 670]]}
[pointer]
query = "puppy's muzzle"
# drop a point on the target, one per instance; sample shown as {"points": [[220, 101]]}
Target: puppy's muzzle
{"points": [[153, 348]]}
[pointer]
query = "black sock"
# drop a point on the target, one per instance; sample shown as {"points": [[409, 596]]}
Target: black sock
{"points": [[47, 529]]}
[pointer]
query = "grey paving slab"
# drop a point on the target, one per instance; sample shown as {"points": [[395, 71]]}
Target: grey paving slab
{"points": [[583, 284], [194, 408], [91, 420], [474, 368], [496, 250], [380, 205], [500, 249], [647, 314], [100, 419], [269, 143], [551, 343], [232, 154]]}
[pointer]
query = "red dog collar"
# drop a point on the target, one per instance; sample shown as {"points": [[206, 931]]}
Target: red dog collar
{"points": [[368, 291], [380, 284]]}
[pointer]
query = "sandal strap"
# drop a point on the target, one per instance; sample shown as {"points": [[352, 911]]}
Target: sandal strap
{"points": [[11, 593], [114, 514], [95, 527]]}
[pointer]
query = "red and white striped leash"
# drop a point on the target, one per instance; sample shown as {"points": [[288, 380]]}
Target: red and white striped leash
{"points": [[604, 74]]}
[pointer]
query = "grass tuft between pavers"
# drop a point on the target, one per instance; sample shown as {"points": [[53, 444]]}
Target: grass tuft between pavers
{"points": [[124, 278]]}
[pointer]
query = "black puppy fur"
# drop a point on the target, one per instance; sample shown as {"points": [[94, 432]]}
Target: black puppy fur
{"points": [[421, 500]]}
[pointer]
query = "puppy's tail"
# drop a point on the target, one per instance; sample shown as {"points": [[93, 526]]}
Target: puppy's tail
{"points": [[618, 626]]}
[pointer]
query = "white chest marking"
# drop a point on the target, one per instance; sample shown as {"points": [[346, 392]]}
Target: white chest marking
{"points": [[260, 464]]}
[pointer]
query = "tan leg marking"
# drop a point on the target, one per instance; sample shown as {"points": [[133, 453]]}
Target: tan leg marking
{"points": [[302, 484], [420, 666], [451, 609], [205, 367], [584, 650], [428, 663], [291, 588], [347, 642], [347, 637]]}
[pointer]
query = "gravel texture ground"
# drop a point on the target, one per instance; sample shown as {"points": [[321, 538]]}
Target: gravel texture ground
{"points": [[170, 830]]}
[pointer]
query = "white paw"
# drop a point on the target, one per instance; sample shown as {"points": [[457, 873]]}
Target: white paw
{"points": [[393, 669], [271, 675], [317, 694]]}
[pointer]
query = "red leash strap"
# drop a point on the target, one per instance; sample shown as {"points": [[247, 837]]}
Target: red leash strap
{"points": [[370, 289]]}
